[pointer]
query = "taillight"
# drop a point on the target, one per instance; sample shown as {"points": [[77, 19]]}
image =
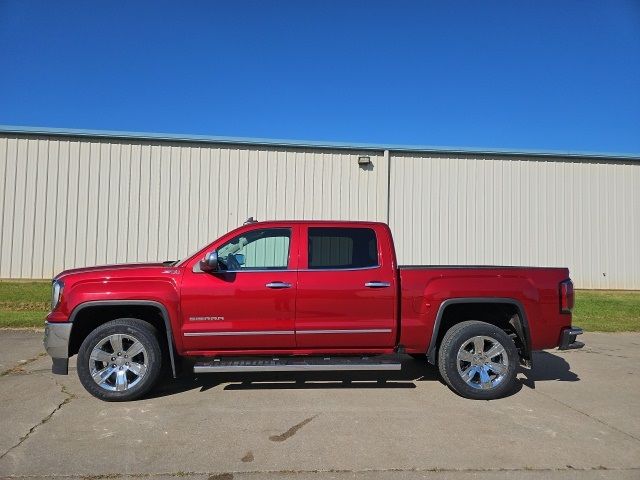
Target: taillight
{"points": [[566, 296]]}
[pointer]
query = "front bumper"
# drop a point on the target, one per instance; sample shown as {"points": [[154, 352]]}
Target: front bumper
{"points": [[568, 339], [56, 343]]}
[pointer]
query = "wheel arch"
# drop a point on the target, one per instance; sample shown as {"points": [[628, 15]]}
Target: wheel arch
{"points": [[159, 307], [522, 329]]}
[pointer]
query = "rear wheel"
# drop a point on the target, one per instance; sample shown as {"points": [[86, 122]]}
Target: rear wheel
{"points": [[478, 360], [120, 360]]}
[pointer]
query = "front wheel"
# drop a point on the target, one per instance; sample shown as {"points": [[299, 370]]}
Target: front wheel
{"points": [[120, 360], [478, 360]]}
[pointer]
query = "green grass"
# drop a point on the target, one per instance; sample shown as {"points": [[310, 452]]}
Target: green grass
{"points": [[607, 311], [13, 319], [25, 291], [25, 304]]}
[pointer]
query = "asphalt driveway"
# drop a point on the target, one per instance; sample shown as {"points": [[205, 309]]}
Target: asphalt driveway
{"points": [[577, 415]]}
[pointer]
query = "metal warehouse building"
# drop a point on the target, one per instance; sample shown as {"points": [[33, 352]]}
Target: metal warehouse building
{"points": [[76, 198]]}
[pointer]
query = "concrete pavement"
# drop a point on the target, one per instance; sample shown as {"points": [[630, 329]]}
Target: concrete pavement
{"points": [[577, 415], [18, 347]]}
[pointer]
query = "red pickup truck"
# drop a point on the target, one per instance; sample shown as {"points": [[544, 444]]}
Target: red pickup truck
{"points": [[305, 296]]}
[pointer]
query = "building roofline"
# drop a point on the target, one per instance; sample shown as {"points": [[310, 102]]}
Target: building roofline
{"points": [[70, 132]]}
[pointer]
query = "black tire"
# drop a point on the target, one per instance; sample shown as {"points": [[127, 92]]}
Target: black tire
{"points": [[134, 330], [461, 334]]}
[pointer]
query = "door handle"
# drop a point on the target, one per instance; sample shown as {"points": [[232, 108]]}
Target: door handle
{"points": [[278, 285], [376, 284]]}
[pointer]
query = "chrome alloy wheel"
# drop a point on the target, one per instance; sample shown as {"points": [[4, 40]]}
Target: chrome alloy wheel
{"points": [[482, 362], [118, 362]]}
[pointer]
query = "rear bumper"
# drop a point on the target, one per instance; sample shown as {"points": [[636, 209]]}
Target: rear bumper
{"points": [[56, 343], [568, 339]]}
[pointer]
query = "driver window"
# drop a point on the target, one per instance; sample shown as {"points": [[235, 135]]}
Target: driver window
{"points": [[265, 249]]}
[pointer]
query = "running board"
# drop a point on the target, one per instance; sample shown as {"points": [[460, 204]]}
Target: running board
{"points": [[298, 364]]}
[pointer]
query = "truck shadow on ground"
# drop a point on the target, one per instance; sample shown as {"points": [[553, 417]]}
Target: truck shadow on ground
{"points": [[547, 367]]}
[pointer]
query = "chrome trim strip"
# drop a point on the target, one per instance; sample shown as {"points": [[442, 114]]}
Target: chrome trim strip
{"points": [[295, 368], [364, 330], [285, 332], [260, 332]]}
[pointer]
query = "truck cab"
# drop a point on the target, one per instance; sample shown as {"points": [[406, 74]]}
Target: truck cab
{"points": [[270, 285]]}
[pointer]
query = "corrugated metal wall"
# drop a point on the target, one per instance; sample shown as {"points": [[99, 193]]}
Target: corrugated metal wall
{"points": [[75, 201], [519, 211], [69, 202]]}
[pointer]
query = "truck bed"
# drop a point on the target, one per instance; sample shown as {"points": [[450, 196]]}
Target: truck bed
{"points": [[534, 290]]}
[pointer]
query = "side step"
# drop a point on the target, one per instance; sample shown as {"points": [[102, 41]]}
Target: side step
{"points": [[298, 364]]}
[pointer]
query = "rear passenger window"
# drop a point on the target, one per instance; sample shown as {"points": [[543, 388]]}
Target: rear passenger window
{"points": [[342, 248]]}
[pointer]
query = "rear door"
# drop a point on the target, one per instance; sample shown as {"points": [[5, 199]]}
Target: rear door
{"points": [[346, 288]]}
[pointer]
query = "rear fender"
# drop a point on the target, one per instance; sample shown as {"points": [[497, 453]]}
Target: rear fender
{"points": [[525, 331]]}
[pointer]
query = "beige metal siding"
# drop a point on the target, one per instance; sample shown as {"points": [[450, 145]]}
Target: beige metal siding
{"points": [[69, 202], [448, 209]]}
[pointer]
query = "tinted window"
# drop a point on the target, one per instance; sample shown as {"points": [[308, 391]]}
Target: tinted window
{"points": [[265, 249], [342, 248]]}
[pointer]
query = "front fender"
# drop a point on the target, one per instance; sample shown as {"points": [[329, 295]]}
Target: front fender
{"points": [[159, 293], [147, 303]]}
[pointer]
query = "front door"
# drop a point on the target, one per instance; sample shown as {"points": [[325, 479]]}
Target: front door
{"points": [[250, 302], [347, 292]]}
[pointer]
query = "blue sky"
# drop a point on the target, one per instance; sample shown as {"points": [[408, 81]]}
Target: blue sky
{"points": [[520, 75]]}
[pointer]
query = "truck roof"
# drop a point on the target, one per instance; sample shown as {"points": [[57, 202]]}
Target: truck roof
{"points": [[320, 222]]}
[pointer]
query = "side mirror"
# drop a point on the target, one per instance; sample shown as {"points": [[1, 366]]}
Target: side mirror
{"points": [[210, 262]]}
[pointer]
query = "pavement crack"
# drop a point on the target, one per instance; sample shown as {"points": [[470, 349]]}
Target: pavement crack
{"points": [[596, 352], [589, 416], [19, 367], [68, 397], [292, 431]]}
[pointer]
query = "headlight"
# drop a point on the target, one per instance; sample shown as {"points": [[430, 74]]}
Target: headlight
{"points": [[56, 293]]}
